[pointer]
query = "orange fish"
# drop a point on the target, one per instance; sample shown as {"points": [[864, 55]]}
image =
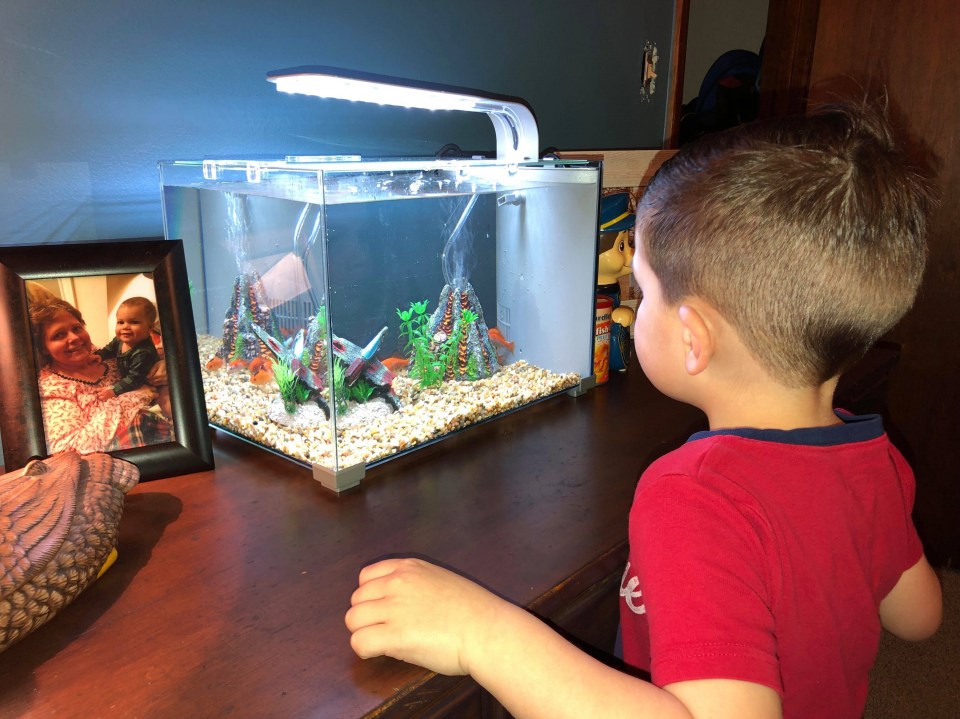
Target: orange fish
{"points": [[261, 377], [497, 337], [238, 363], [395, 363], [255, 365], [215, 363]]}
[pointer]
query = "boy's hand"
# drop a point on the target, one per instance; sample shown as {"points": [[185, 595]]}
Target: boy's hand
{"points": [[106, 393], [415, 611]]}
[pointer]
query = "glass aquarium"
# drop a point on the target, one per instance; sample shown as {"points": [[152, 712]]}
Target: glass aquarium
{"points": [[349, 311]]}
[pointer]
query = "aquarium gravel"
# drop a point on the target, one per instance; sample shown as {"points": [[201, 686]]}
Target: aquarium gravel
{"points": [[370, 431]]}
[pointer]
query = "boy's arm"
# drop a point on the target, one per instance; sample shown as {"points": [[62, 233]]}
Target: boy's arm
{"points": [[914, 607], [420, 613]]}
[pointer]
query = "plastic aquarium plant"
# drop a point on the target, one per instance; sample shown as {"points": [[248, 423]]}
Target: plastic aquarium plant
{"points": [[412, 324], [424, 363], [461, 335], [447, 350], [359, 392], [293, 391], [237, 347], [340, 391]]}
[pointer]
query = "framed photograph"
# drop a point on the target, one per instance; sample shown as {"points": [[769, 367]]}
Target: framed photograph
{"points": [[99, 353]]}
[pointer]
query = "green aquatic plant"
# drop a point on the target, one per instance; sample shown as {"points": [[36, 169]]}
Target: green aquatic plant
{"points": [[238, 346], [467, 319], [340, 391], [293, 391], [425, 363], [449, 352], [413, 323], [361, 391], [473, 371]]}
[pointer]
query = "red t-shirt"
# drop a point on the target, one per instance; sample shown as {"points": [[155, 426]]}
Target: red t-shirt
{"points": [[762, 555]]}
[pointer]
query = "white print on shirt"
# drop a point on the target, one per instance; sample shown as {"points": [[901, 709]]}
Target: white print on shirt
{"points": [[629, 592]]}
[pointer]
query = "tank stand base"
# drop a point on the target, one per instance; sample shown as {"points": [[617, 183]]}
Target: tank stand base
{"points": [[586, 384], [339, 480]]}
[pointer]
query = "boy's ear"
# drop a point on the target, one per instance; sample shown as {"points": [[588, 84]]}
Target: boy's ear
{"points": [[698, 338]]}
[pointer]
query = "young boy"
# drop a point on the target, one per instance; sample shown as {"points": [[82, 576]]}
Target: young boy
{"points": [[133, 347], [766, 553]]}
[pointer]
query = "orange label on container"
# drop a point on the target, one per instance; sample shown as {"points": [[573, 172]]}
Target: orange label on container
{"points": [[601, 342]]}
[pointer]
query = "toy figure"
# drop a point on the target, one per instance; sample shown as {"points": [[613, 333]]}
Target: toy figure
{"points": [[613, 264]]}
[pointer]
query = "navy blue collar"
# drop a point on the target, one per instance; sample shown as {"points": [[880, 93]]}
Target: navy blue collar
{"points": [[855, 428]]}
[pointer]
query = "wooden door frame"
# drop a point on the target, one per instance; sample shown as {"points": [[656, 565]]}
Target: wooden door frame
{"points": [[681, 19], [788, 56]]}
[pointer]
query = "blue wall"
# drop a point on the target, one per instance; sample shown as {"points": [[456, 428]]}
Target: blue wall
{"points": [[94, 92]]}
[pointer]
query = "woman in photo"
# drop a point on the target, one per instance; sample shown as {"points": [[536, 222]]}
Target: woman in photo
{"points": [[72, 378]]}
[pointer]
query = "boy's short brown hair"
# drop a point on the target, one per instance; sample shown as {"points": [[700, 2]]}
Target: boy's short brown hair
{"points": [[808, 235]]}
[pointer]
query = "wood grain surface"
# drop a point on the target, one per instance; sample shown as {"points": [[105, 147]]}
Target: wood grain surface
{"points": [[229, 592]]}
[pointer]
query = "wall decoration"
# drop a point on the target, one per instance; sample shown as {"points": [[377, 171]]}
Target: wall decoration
{"points": [[649, 76]]}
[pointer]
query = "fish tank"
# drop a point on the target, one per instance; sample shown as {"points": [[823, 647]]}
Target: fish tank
{"points": [[351, 310]]}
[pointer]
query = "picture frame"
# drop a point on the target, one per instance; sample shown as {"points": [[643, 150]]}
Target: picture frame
{"points": [[21, 421]]}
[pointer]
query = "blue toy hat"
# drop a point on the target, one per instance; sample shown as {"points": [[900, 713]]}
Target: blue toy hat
{"points": [[615, 214]]}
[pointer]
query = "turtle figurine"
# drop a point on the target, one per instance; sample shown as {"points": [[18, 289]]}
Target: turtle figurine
{"points": [[58, 533]]}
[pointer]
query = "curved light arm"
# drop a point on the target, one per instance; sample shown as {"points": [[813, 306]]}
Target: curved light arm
{"points": [[513, 121]]}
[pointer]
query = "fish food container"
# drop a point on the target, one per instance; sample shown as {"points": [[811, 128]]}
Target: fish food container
{"points": [[351, 310]]}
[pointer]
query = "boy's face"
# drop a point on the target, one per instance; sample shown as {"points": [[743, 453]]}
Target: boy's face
{"points": [[132, 325], [656, 328]]}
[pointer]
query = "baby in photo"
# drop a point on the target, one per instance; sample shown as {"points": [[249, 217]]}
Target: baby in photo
{"points": [[133, 347]]}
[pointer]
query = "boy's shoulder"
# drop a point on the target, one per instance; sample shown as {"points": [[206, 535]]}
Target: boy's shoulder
{"points": [[689, 459], [773, 461]]}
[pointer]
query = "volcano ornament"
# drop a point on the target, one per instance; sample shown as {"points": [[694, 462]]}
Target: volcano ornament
{"points": [[476, 357]]}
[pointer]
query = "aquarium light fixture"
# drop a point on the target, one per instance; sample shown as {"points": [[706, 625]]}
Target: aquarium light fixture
{"points": [[513, 121]]}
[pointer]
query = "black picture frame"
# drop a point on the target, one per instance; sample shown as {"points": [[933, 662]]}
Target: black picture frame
{"points": [[21, 421]]}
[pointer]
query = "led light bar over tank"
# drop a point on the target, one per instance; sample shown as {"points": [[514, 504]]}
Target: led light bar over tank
{"points": [[516, 128], [350, 310]]}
